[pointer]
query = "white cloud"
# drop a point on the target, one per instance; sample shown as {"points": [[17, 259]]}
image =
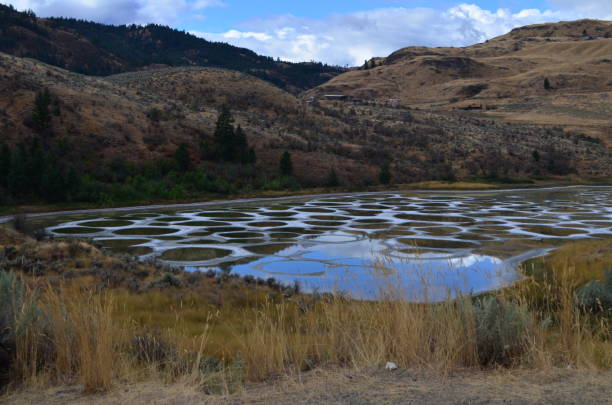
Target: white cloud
{"points": [[117, 11], [338, 38], [352, 38], [599, 9]]}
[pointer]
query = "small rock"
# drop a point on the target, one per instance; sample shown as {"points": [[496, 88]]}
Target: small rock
{"points": [[391, 366]]}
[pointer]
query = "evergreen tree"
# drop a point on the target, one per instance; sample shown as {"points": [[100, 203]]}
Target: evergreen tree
{"points": [[251, 156], [241, 151], [17, 180], [41, 116], [286, 165], [547, 85], [35, 165], [332, 178], [5, 164], [385, 173], [224, 135], [536, 155], [182, 158]]}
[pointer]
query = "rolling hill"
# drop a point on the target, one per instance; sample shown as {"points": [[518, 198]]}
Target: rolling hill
{"points": [[98, 49], [144, 116], [503, 78]]}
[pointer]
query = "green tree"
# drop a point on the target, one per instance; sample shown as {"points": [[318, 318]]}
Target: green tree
{"points": [[182, 158], [241, 150], [332, 178], [536, 156], [547, 85], [5, 164], [224, 135], [17, 181], [385, 173], [41, 116], [286, 165]]}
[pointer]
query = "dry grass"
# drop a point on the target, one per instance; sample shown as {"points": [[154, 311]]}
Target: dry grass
{"points": [[74, 333]]}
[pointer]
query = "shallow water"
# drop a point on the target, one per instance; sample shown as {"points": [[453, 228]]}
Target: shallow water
{"points": [[424, 245]]}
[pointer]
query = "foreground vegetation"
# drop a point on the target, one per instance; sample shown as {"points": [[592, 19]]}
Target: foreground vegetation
{"points": [[72, 313]]}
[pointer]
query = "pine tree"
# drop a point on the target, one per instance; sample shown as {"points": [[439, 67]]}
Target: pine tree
{"points": [[240, 147], [224, 135], [182, 158], [17, 180], [286, 165], [332, 178], [41, 116], [385, 173], [5, 164], [547, 85]]}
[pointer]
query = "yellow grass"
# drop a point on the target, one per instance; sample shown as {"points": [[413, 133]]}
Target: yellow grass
{"points": [[218, 342]]}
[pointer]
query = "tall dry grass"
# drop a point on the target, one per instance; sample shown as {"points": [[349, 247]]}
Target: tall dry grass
{"points": [[65, 333], [70, 334]]}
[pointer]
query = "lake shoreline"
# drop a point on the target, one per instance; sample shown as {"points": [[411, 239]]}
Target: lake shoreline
{"points": [[33, 213]]}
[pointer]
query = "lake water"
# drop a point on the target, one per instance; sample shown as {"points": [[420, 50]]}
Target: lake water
{"points": [[423, 245]]}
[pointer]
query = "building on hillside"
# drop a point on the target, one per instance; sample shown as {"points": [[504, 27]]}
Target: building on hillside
{"points": [[335, 97]]}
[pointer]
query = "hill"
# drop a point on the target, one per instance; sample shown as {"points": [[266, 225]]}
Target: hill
{"points": [[97, 49], [144, 116], [503, 78]]}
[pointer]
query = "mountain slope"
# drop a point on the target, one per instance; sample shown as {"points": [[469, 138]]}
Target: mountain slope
{"points": [[144, 116], [504, 78], [98, 49]]}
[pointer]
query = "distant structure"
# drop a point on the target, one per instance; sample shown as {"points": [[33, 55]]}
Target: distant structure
{"points": [[334, 97], [394, 100], [472, 107]]}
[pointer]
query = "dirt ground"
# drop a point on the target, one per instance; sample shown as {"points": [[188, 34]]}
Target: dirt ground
{"points": [[561, 387]]}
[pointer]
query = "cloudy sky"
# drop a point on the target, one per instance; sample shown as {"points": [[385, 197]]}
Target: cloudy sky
{"points": [[344, 32]]}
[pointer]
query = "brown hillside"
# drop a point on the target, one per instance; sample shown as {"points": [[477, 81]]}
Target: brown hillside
{"points": [[144, 116], [504, 75]]}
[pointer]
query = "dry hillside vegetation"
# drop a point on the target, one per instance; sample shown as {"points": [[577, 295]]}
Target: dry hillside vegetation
{"points": [[143, 116], [504, 75]]}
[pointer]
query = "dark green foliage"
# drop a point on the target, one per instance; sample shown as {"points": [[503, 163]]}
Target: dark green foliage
{"points": [[41, 116], [286, 165], [230, 144], [536, 156], [182, 158], [332, 178], [558, 162], [596, 296], [385, 173], [547, 84], [130, 47], [5, 165]]}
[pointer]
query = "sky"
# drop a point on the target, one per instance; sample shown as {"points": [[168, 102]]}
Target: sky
{"points": [[340, 32]]}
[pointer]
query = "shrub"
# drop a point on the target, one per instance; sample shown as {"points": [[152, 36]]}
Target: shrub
{"points": [[596, 296], [501, 330], [166, 281], [20, 223]]}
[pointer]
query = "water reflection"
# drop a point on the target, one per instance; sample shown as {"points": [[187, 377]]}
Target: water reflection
{"points": [[424, 245]]}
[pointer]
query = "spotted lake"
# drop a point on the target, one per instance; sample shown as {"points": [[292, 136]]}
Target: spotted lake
{"points": [[425, 245]]}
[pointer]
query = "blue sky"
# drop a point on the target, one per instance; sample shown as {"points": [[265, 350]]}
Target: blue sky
{"points": [[344, 32]]}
